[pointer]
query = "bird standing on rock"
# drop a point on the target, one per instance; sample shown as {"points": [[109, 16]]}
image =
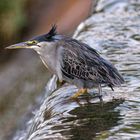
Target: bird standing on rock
{"points": [[73, 61]]}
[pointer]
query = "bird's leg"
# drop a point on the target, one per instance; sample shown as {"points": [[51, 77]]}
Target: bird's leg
{"points": [[60, 83], [79, 92], [100, 93]]}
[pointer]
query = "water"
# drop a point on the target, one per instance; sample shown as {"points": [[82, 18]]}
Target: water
{"points": [[117, 36]]}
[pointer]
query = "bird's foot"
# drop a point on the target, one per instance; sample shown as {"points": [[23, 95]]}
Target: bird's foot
{"points": [[79, 92], [101, 100]]}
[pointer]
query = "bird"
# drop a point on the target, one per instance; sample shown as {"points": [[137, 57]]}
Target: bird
{"points": [[73, 61]]}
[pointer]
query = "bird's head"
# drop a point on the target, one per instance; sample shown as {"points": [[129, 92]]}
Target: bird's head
{"points": [[37, 42]]}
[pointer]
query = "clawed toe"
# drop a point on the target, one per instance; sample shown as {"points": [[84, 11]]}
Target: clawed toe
{"points": [[79, 92]]}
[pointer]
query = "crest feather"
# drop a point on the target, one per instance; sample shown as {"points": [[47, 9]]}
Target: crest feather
{"points": [[51, 33]]}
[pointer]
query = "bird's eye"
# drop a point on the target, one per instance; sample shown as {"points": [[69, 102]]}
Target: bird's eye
{"points": [[32, 42]]}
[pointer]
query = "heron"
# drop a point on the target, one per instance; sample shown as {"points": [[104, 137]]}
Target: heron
{"points": [[73, 61]]}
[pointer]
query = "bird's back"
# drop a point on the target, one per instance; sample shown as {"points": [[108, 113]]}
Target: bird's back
{"points": [[79, 61]]}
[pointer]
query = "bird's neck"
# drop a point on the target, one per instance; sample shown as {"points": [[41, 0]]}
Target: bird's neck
{"points": [[48, 56]]}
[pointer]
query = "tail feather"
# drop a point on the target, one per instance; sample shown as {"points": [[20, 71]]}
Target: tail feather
{"points": [[118, 79], [113, 77], [111, 87]]}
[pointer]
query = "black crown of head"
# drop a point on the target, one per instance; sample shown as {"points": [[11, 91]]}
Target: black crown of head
{"points": [[51, 33], [47, 37]]}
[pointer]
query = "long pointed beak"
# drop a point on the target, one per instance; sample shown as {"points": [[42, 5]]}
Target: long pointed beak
{"points": [[18, 46]]}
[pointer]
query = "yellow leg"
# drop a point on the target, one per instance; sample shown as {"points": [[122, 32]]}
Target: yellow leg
{"points": [[60, 83], [79, 92]]}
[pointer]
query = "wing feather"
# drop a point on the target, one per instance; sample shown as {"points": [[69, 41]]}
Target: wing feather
{"points": [[81, 61]]}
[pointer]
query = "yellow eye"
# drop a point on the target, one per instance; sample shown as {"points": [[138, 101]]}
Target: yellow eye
{"points": [[32, 42]]}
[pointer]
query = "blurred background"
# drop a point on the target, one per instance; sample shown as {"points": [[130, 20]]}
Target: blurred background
{"points": [[22, 74]]}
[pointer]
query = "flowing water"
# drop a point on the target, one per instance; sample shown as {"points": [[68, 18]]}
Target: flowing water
{"points": [[115, 31]]}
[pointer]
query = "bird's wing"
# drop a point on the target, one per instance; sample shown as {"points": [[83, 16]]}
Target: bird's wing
{"points": [[83, 62]]}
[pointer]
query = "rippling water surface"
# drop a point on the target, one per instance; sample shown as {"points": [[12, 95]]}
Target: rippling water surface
{"points": [[117, 36]]}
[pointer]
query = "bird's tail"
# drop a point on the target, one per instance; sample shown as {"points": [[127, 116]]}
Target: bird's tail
{"points": [[113, 78]]}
